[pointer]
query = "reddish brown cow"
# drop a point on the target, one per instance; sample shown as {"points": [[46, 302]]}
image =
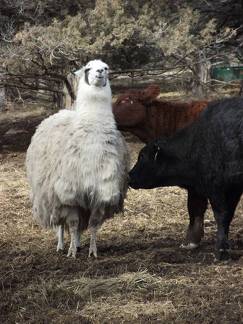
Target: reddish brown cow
{"points": [[141, 113], [144, 115]]}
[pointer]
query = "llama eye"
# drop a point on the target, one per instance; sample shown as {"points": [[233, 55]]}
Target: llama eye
{"points": [[106, 68]]}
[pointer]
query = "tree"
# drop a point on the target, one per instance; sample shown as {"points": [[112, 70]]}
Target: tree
{"points": [[126, 34]]}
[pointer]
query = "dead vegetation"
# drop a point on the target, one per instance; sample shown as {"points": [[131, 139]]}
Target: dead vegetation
{"points": [[141, 275]]}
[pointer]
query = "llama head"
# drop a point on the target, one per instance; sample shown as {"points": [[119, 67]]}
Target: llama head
{"points": [[96, 73], [93, 86]]}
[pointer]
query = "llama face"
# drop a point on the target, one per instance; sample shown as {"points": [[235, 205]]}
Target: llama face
{"points": [[96, 73]]}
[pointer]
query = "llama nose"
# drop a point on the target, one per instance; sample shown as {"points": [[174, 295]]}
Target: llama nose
{"points": [[100, 70]]}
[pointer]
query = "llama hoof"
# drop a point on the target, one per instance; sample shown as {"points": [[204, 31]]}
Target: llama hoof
{"points": [[78, 249], [60, 251], [189, 246], [93, 252], [72, 252], [60, 248]]}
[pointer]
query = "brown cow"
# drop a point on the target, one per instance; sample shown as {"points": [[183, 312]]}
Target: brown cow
{"points": [[144, 115]]}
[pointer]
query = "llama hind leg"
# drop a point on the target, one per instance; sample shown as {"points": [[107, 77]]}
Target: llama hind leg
{"points": [[60, 238], [78, 235], [72, 221], [92, 246], [95, 221]]}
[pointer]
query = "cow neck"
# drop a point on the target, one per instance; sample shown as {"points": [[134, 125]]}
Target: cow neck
{"points": [[152, 124]]}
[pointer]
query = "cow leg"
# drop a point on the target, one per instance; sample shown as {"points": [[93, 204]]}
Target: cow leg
{"points": [[197, 206], [223, 210]]}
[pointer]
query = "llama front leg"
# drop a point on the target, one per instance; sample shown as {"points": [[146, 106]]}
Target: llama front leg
{"points": [[60, 238]]}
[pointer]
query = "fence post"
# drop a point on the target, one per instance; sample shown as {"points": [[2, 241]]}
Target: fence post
{"points": [[2, 99], [241, 88]]}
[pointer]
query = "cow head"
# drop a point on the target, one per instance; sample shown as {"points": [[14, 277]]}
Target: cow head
{"points": [[130, 108], [156, 166]]}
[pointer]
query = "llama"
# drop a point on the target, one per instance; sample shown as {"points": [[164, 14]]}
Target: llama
{"points": [[77, 162]]}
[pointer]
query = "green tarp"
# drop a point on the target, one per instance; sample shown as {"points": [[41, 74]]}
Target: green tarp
{"points": [[227, 73]]}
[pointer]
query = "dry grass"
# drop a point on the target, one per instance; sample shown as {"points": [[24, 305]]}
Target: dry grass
{"points": [[25, 112], [140, 276]]}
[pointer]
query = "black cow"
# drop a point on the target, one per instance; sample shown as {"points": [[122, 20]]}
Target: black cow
{"points": [[207, 157]]}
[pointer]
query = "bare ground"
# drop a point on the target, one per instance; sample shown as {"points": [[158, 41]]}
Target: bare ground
{"points": [[141, 275]]}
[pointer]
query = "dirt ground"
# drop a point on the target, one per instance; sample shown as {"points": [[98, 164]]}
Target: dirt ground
{"points": [[141, 274]]}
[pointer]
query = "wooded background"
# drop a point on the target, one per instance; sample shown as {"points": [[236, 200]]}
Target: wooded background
{"points": [[41, 42]]}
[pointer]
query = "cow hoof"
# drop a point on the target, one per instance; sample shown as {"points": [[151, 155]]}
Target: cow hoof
{"points": [[189, 246], [222, 255]]}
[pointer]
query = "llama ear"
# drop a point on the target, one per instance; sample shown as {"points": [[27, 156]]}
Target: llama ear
{"points": [[79, 72], [150, 93]]}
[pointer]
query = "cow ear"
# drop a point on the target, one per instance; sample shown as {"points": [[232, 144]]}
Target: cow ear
{"points": [[156, 149], [163, 150], [150, 93]]}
